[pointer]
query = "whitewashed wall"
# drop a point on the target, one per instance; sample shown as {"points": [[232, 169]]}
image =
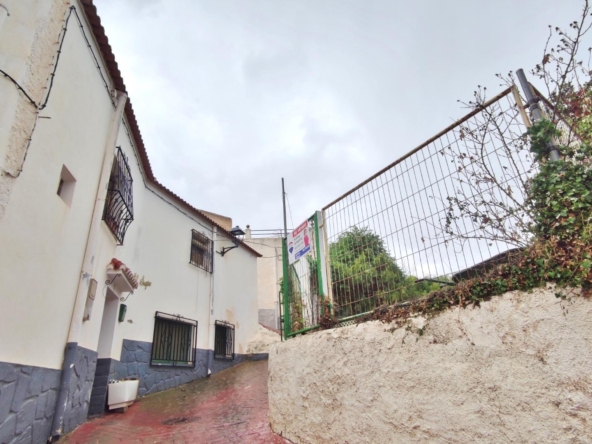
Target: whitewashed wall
{"points": [[269, 272], [28, 39], [236, 292], [515, 369], [42, 239]]}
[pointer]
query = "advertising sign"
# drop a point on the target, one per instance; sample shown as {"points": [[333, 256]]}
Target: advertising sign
{"points": [[298, 242]]}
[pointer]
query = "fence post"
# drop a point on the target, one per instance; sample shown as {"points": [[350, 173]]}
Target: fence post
{"points": [[320, 247], [327, 262], [286, 287], [520, 105], [537, 114]]}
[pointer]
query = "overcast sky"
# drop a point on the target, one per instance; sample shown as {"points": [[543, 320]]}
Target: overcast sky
{"points": [[231, 96]]}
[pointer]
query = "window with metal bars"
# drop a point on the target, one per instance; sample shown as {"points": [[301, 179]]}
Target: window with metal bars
{"points": [[202, 251], [119, 205], [174, 341], [224, 340]]}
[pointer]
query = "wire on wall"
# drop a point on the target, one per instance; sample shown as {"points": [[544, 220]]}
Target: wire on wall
{"points": [[19, 87], [41, 106]]}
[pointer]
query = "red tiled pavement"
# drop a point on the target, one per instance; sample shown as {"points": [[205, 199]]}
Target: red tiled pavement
{"points": [[229, 407]]}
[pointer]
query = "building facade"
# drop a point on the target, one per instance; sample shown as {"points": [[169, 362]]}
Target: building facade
{"points": [[104, 272], [269, 272]]}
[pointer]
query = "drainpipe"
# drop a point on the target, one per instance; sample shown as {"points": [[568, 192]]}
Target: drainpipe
{"points": [[3, 14], [86, 272], [211, 336]]}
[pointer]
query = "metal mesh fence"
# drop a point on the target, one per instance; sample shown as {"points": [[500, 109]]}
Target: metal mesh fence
{"points": [[428, 219], [447, 211], [303, 306]]}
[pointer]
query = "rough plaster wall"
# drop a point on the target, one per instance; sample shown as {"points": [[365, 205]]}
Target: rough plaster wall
{"points": [[33, 79], [517, 369], [262, 341]]}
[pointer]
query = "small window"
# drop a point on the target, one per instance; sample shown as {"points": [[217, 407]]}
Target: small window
{"points": [[66, 186], [174, 341], [224, 340], [119, 205], [202, 250]]}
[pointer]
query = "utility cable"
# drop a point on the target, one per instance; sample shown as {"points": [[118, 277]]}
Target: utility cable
{"points": [[106, 84], [19, 87], [52, 74]]}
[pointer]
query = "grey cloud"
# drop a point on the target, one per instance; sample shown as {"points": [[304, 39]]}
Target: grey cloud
{"points": [[233, 95], [278, 70]]}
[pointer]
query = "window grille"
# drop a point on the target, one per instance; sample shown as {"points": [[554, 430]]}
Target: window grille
{"points": [[119, 206], [174, 341], [202, 251], [224, 340]]}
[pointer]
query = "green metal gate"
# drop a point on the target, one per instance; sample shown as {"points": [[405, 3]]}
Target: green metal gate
{"points": [[304, 284]]}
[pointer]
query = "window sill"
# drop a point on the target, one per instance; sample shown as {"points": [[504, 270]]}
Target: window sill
{"points": [[172, 364]]}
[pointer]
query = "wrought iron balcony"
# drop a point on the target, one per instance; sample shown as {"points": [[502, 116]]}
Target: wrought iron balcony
{"points": [[119, 205]]}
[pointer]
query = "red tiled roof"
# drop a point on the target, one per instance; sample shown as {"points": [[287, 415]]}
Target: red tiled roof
{"points": [[90, 11]]}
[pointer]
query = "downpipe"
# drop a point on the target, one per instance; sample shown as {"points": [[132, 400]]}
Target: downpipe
{"points": [[86, 274], [211, 331]]}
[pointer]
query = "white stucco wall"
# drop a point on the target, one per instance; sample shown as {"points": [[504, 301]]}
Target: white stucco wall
{"points": [[43, 239], [515, 369], [157, 247], [27, 52], [269, 272], [236, 292], [269, 269]]}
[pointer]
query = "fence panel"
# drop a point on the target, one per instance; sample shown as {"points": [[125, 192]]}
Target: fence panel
{"points": [[450, 204], [302, 286], [444, 212]]}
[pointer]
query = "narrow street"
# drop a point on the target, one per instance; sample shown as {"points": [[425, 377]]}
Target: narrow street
{"points": [[229, 407]]}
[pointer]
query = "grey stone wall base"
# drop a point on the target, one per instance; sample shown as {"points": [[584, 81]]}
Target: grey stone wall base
{"points": [[80, 388], [28, 394], [256, 357], [27, 402], [135, 363]]}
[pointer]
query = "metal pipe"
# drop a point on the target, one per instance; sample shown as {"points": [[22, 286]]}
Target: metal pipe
{"points": [[86, 272], [212, 336], [537, 114]]}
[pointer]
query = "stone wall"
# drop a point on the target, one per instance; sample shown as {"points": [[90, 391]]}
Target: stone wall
{"points": [[80, 388], [515, 369], [28, 398], [135, 363], [27, 402]]}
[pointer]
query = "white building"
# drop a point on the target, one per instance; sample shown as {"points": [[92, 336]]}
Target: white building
{"points": [[269, 272], [104, 272]]}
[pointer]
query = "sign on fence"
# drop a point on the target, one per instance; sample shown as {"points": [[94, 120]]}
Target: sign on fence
{"points": [[298, 242]]}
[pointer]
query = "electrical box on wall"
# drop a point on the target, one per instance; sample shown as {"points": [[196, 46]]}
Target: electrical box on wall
{"points": [[122, 311], [90, 299]]}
